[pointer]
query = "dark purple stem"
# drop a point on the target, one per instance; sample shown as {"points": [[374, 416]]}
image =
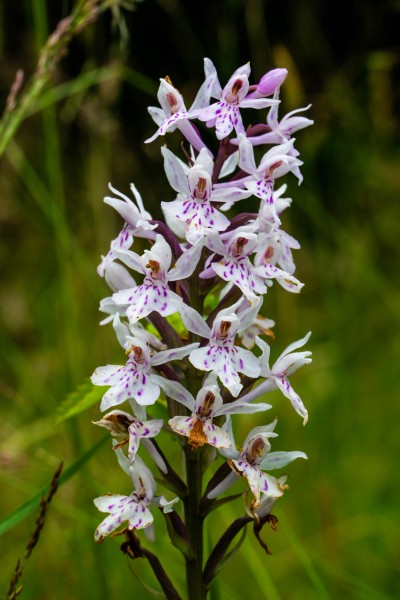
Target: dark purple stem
{"points": [[168, 333]]}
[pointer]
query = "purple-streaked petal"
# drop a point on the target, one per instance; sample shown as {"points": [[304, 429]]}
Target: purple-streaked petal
{"points": [[247, 363], [138, 430], [287, 281], [287, 390], [182, 425], [146, 298], [216, 436], [128, 508]]}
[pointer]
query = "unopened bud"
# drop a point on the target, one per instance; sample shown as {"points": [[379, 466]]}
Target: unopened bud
{"points": [[269, 83]]}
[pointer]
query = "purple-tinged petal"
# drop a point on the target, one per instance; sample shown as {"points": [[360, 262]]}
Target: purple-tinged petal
{"points": [[186, 263], [278, 460], [173, 354], [176, 391], [288, 282]]}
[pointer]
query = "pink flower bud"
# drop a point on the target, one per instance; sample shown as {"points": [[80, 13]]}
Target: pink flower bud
{"points": [[269, 83]]}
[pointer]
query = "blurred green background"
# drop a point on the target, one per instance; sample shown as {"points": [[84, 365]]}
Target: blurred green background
{"points": [[338, 532]]}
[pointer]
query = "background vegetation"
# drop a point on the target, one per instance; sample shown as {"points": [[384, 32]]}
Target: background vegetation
{"points": [[338, 525]]}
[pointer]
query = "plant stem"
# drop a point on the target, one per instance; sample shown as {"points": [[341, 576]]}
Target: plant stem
{"points": [[194, 525]]}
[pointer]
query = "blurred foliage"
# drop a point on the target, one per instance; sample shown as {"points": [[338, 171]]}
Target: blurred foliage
{"points": [[338, 524]]}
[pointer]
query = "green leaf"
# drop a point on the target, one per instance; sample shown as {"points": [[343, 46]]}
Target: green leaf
{"points": [[31, 505], [83, 398], [152, 591]]}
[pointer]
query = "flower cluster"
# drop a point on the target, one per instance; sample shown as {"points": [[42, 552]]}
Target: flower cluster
{"points": [[186, 297]]}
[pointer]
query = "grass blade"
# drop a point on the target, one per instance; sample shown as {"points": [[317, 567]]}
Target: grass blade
{"points": [[304, 557], [31, 505]]}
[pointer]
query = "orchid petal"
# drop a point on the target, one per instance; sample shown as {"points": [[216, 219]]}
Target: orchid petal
{"points": [[241, 408], [287, 390], [186, 263], [173, 354], [176, 391], [278, 460], [295, 345], [223, 485], [174, 171]]}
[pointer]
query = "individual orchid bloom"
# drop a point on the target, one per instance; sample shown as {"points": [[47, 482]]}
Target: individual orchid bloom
{"points": [[122, 424], [275, 163], [235, 266], [154, 293], [132, 509], [193, 206], [123, 241], [111, 308], [277, 377], [115, 274], [282, 131], [253, 460], [135, 379], [136, 225], [173, 112], [222, 357], [268, 271], [260, 180], [267, 502], [267, 221], [125, 332], [276, 248], [247, 463], [225, 114], [136, 217], [259, 326], [199, 427]]}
